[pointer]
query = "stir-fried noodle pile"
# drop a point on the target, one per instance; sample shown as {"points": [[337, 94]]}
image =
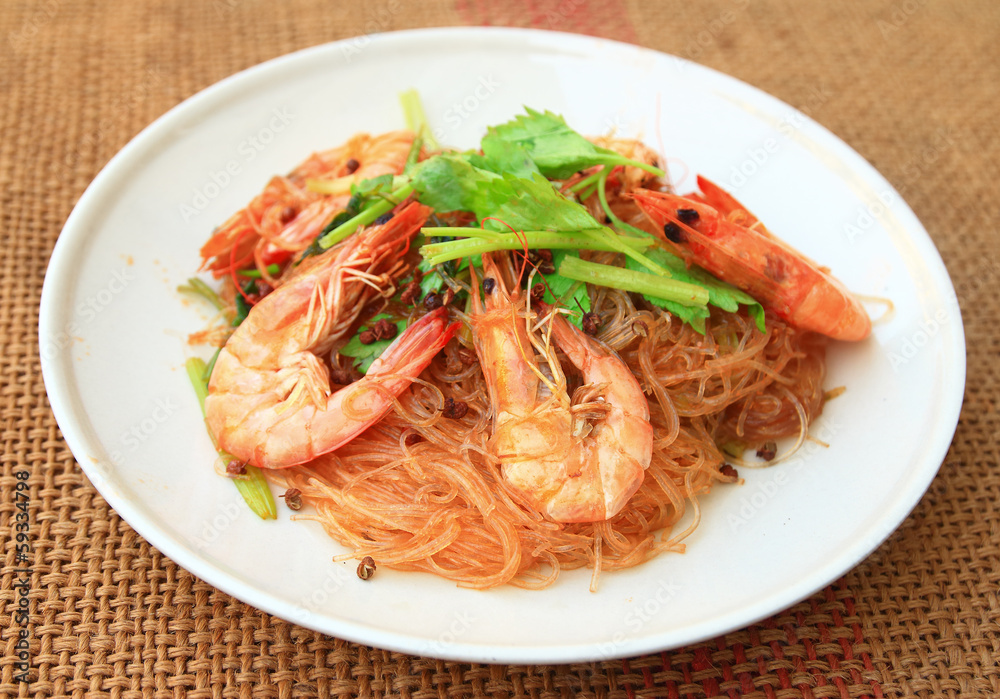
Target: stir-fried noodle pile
{"points": [[419, 491]]}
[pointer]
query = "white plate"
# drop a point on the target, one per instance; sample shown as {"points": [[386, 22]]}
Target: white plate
{"points": [[113, 330]]}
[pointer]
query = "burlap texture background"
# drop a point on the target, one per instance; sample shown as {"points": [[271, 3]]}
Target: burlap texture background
{"points": [[913, 85]]}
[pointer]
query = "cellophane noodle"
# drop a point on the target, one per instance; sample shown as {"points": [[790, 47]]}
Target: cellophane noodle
{"points": [[439, 504]]}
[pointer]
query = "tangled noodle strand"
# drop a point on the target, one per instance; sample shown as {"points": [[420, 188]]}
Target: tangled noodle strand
{"points": [[422, 492]]}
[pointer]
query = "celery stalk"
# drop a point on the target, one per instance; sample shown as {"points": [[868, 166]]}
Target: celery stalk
{"points": [[364, 218], [613, 240], [639, 282], [414, 155], [342, 185], [207, 374], [200, 288], [256, 492], [254, 487], [611, 157], [196, 371], [458, 232], [272, 269], [479, 241], [416, 120], [586, 182]]}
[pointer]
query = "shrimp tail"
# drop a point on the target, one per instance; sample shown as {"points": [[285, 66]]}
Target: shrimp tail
{"points": [[366, 402], [412, 351]]}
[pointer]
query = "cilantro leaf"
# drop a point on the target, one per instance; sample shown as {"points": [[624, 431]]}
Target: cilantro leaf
{"points": [[363, 354], [567, 292], [452, 183], [504, 156], [555, 148], [373, 185], [242, 306], [533, 204], [695, 316], [756, 311], [720, 294], [506, 188], [362, 194], [432, 283]]}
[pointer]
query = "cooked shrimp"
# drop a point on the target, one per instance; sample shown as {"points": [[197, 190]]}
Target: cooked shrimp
{"points": [[270, 400], [573, 463], [286, 216], [714, 231]]}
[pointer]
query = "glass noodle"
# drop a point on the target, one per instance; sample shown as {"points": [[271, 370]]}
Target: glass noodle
{"points": [[439, 504]]}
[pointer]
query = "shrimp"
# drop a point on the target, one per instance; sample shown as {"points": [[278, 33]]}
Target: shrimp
{"points": [[286, 216], [573, 463], [270, 401], [714, 231]]}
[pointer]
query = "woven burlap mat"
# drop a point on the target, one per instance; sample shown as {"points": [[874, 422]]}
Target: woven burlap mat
{"points": [[913, 85]]}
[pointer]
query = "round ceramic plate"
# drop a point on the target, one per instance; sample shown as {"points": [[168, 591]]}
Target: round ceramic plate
{"points": [[113, 341]]}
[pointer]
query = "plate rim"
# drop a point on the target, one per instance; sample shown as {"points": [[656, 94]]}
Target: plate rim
{"points": [[901, 506]]}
